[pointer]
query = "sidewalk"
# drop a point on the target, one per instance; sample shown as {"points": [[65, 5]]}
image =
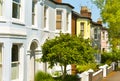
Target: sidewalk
{"points": [[114, 76]]}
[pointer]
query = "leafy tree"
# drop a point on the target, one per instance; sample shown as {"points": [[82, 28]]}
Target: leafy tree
{"points": [[66, 49], [110, 12]]}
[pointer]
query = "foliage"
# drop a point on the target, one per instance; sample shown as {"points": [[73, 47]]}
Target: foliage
{"points": [[108, 58], [42, 76], [68, 78], [85, 67], [66, 49], [57, 73], [110, 12]]}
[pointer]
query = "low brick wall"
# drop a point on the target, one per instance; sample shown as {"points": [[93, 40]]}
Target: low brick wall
{"points": [[97, 76]]}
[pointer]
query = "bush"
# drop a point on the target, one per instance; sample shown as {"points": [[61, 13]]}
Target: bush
{"points": [[67, 78], [108, 58], [82, 68], [42, 76]]}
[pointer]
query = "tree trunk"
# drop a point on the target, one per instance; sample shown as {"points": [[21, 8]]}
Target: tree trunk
{"points": [[64, 72]]}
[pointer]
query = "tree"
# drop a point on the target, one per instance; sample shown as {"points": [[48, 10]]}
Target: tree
{"points": [[110, 12], [66, 49]]}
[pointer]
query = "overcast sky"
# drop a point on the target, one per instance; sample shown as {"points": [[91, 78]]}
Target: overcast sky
{"points": [[78, 3]]}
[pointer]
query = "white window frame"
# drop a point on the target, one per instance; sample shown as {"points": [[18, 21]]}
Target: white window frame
{"points": [[16, 62], [18, 16], [19, 20], [67, 21], [46, 17], [61, 19]]}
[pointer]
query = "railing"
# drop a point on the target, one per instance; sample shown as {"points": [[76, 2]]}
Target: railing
{"points": [[90, 75]]}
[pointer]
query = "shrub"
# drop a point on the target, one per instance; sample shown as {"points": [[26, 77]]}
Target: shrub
{"points": [[82, 68], [67, 78], [42, 76], [107, 58]]}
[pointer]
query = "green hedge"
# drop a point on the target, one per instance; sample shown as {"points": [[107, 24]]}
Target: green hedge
{"points": [[42, 76]]}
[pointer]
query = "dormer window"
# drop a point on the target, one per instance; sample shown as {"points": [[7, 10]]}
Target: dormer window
{"points": [[58, 19], [16, 9]]}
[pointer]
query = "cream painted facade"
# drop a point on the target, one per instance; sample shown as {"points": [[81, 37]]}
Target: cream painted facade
{"points": [[22, 34], [86, 27]]}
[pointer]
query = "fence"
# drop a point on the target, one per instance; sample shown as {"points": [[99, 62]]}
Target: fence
{"points": [[90, 75]]}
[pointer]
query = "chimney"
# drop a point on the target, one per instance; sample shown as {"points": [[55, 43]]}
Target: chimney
{"points": [[58, 1], [99, 21], [85, 11]]}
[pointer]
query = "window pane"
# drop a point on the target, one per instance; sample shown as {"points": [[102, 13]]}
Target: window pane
{"points": [[59, 19], [58, 25], [45, 16], [15, 62], [82, 26], [67, 21], [16, 11], [95, 33], [33, 18], [15, 71], [33, 12], [14, 53]]}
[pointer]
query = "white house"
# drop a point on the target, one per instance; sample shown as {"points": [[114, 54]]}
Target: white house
{"points": [[24, 27]]}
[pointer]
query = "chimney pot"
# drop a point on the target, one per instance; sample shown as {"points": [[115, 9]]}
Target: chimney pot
{"points": [[58, 1], [99, 21]]}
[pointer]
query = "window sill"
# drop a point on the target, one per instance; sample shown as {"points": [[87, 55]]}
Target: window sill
{"points": [[46, 29], [17, 22], [2, 19]]}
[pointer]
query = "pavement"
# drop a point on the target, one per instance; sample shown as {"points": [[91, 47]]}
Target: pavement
{"points": [[113, 76]]}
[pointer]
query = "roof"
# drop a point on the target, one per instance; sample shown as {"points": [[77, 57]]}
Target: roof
{"points": [[80, 16], [95, 23], [62, 3]]}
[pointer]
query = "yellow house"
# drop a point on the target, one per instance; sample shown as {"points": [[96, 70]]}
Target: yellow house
{"points": [[83, 23], [83, 27]]}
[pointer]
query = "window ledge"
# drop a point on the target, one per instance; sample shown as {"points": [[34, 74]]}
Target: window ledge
{"points": [[17, 21], [2, 19], [46, 29]]}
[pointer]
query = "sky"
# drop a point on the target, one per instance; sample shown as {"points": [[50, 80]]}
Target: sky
{"points": [[78, 3]]}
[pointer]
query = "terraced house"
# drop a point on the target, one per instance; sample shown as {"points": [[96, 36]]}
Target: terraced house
{"points": [[24, 27]]}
